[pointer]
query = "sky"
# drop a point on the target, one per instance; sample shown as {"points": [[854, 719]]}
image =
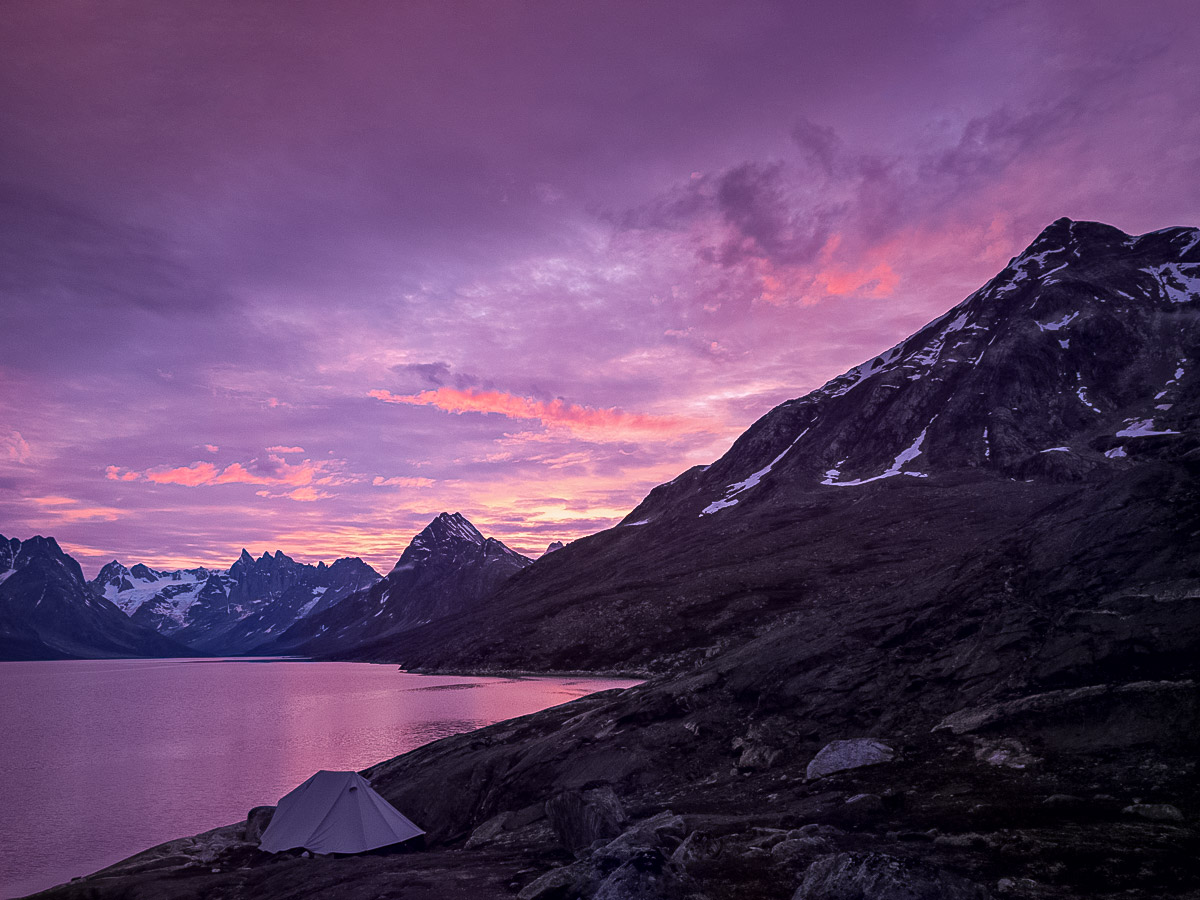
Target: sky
{"points": [[298, 275]]}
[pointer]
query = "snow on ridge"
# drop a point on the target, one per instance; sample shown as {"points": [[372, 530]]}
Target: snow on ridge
{"points": [[317, 592], [1081, 393], [750, 481], [905, 456], [1116, 453], [1056, 450], [1141, 428], [861, 373], [1176, 285], [1059, 324], [130, 601]]}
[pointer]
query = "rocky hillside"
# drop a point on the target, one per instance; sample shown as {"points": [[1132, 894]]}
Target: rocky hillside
{"points": [[448, 568], [48, 611]]}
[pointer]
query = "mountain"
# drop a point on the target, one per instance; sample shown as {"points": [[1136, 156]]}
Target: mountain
{"points": [[896, 656], [1067, 380], [552, 546], [48, 611], [448, 568], [230, 612]]}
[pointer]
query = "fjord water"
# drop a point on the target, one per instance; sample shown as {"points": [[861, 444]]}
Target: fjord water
{"points": [[102, 758]]}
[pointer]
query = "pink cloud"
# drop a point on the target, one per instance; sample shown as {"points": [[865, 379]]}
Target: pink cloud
{"points": [[553, 414]]}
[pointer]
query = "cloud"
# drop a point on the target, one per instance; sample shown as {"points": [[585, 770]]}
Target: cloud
{"points": [[402, 481], [302, 495], [68, 510], [272, 471], [553, 414], [282, 449], [15, 448]]}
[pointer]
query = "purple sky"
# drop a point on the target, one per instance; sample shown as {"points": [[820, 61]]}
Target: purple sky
{"points": [[301, 275]]}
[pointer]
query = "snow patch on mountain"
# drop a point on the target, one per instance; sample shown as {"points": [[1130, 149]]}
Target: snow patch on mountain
{"points": [[1142, 428], [903, 458], [738, 487], [1058, 324], [1176, 284]]}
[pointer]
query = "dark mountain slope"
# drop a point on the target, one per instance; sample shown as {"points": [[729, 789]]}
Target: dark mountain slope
{"points": [[48, 611], [1052, 383]]}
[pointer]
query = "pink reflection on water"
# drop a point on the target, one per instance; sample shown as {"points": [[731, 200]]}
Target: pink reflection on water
{"points": [[103, 758]]}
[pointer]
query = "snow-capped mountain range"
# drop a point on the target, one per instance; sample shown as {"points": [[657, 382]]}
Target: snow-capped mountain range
{"points": [[263, 605]]}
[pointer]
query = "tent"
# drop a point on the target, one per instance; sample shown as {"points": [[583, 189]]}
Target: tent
{"points": [[335, 812]]}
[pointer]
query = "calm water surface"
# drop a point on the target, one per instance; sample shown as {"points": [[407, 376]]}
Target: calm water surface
{"points": [[101, 759]]}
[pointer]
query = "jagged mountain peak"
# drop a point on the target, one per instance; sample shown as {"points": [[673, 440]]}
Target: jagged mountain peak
{"points": [[1076, 357], [446, 533]]}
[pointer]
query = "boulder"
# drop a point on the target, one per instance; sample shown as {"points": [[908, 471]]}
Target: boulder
{"points": [[580, 818], [489, 830], [567, 881], [648, 875], [793, 850], [1155, 812], [663, 832], [257, 821], [840, 756], [876, 876]]}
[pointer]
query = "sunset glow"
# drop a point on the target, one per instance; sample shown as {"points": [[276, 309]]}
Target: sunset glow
{"points": [[306, 285]]}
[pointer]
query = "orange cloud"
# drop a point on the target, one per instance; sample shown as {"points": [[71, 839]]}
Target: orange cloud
{"points": [[276, 473], [402, 481], [553, 414], [876, 281], [282, 449], [871, 275]]}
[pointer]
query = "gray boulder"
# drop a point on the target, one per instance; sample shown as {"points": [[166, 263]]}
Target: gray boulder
{"points": [[648, 875], [566, 881], [840, 756], [580, 818], [257, 821], [1155, 812], [489, 830], [875, 876]]}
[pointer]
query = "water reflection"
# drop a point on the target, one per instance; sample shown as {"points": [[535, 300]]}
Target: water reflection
{"points": [[101, 759]]}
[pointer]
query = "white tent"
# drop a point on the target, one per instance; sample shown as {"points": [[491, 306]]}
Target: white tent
{"points": [[335, 812]]}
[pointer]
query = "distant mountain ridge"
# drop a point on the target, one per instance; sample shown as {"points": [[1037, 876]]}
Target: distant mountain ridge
{"points": [[48, 610], [270, 605], [229, 612], [447, 568]]}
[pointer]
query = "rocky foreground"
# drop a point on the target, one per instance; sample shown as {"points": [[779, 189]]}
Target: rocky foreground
{"points": [[681, 790]]}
